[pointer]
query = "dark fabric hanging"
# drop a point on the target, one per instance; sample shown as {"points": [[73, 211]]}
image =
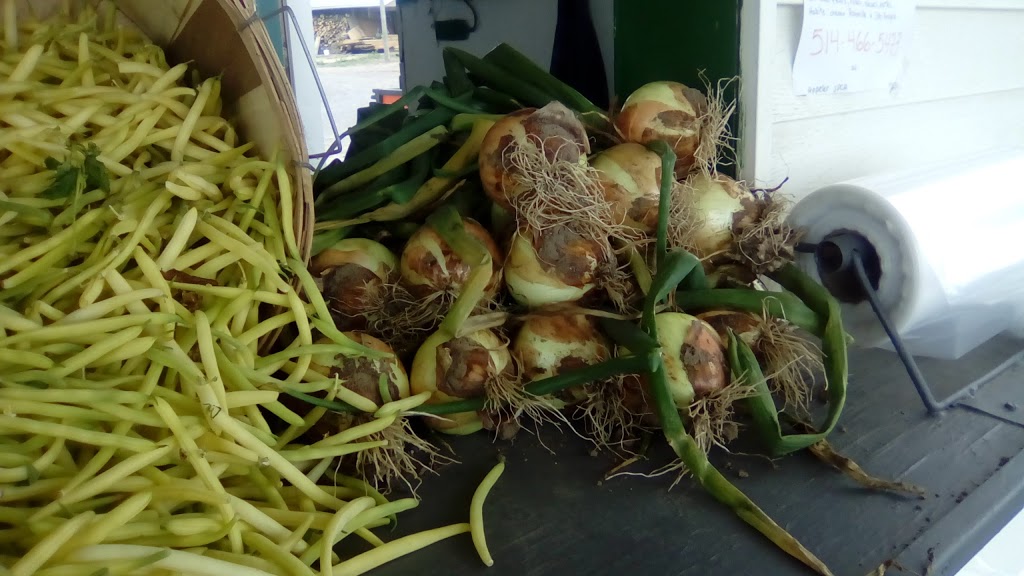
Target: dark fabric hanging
{"points": [[576, 56]]}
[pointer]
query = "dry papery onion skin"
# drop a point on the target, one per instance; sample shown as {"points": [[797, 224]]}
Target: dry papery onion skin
{"points": [[694, 357], [553, 130], [456, 369], [362, 375]]}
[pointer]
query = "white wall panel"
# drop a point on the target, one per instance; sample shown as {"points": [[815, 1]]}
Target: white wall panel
{"points": [[962, 91]]}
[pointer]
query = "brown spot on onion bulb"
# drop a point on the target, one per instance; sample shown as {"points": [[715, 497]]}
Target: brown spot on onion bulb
{"points": [[550, 344], [630, 176], [552, 130], [429, 266], [354, 273], [667, 111], [554, 266]]}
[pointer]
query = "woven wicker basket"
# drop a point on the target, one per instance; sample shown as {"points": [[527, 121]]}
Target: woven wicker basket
{"points": [[221, 37]]}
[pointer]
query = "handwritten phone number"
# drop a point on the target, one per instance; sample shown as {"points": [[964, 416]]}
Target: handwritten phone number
{"points": [[833, 41]]}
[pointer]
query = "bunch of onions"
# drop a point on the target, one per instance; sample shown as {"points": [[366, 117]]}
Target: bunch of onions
{"points": [[630, 176], [400, 453], [668, 111], [791, 360], [475, 365], [550, 344], [721, 220], [355, 274]]}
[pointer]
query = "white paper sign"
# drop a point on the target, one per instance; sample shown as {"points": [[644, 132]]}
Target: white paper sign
{"points": [[852, 45]]}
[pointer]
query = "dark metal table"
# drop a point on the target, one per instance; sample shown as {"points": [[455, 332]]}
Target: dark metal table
{"points": [[553, 514]]}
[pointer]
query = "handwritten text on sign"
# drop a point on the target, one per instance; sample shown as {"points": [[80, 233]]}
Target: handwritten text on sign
{"points": [[851, 45]]}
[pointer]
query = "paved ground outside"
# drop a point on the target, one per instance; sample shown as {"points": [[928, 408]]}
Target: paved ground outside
{"points": [[350, 87]]}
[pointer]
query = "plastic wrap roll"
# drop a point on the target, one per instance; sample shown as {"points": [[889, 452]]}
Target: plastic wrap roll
{"points": [[949, 242]]}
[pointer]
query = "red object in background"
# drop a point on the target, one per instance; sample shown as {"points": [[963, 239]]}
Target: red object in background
{"points": [[385, 96]]}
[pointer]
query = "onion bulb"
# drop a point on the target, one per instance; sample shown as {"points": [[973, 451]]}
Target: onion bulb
{"points": [[717, 217], [552, 132], [694, 357], [550, 344], [371, 378], [355, 273], [723, 206], [667, 111], [790, 360], [630, 176], [699, 378], [429, 266], [403, 454], [459, 368], [553, 266]]}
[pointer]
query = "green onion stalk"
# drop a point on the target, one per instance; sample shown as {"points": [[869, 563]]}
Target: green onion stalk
{"points": [[676, 266], [428, 193]]}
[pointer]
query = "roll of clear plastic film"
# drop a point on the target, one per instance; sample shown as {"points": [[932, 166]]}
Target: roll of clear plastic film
{"points": [[949, 240]]}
